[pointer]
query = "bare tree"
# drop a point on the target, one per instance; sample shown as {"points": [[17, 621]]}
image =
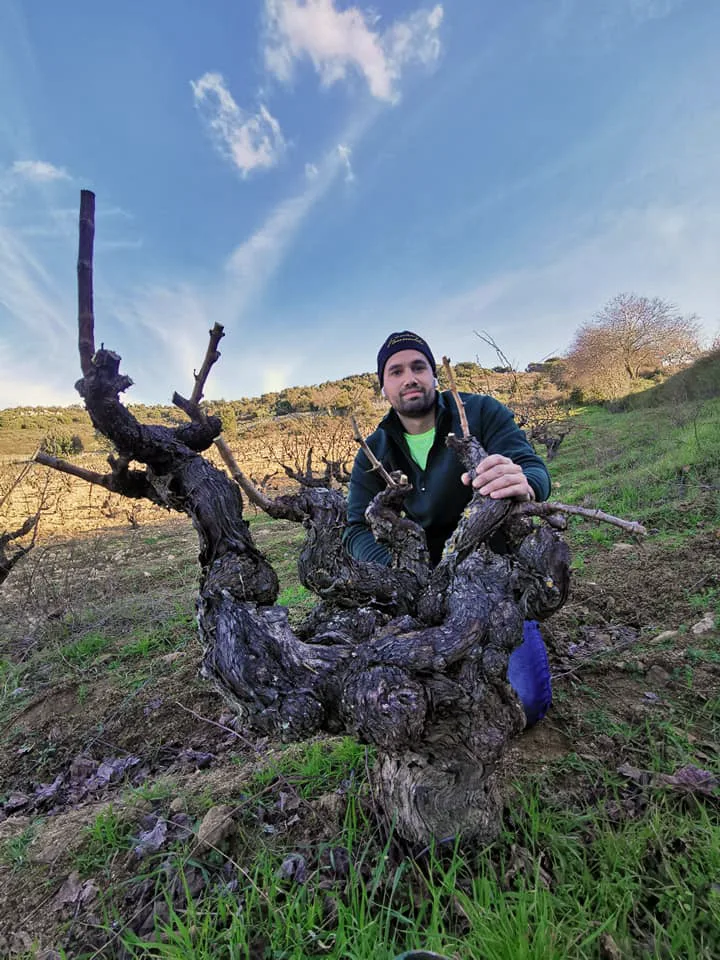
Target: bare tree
{"points": [[629, 337], [545, 419]]}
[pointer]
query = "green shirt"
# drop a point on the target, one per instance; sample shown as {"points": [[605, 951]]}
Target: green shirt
{"points": [[419, 445]]}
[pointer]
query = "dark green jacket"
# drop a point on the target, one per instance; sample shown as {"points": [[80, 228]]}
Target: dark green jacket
{"points": [[438, 497]]}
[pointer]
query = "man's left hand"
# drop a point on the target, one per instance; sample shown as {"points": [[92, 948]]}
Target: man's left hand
{"points": [[498, 477]]}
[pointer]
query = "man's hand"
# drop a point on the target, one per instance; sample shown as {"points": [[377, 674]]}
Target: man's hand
{"points": [[498, 477]]}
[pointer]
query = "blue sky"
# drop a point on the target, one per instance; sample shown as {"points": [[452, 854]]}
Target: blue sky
{"points": [[314, 175]]}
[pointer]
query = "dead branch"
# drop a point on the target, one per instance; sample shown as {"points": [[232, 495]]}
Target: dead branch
{"points": [[502, 357], [19, 478], [128, 483], [244, 482], [8, 561], [376, 465], [192, 406], [547, 510]]}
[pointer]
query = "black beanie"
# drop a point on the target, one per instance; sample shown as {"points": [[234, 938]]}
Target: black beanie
{"points": [[405, 340]]}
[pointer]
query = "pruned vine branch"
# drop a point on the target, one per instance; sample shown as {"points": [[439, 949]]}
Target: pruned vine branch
{"points": [[456, 396], [375, 463], [549, 509], [7, 559]]}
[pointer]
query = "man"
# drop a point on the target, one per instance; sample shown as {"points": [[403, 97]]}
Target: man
{"points": [[411, 438]]}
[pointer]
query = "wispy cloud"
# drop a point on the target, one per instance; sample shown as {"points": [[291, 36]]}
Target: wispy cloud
{"points": [[250, 141], [38, 171], [603, 20], [642, 10], [344, 152], [250, 266], [35, 313], [20, 384], [28, 292], [655, 250], [338, 41]]}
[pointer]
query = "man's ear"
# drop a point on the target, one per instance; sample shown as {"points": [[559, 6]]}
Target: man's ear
{"points": [[435, 382], [382, 392]]}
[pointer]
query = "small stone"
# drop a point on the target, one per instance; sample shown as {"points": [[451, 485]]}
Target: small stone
{"points": [[658, 677], [178, 805], [609, 950], [623, 548], [706, 625], [665, 635], [171, 657], [217, 826]]}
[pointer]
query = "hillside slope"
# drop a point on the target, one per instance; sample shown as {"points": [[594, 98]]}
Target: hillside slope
{"points": [[612, 841]]}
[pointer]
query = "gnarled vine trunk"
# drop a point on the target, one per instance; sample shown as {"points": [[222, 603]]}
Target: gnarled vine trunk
{"points": [[408, 658]]}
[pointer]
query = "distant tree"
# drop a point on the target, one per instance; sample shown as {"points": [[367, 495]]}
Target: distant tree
{"points": [[62, 444], [629, 338]]}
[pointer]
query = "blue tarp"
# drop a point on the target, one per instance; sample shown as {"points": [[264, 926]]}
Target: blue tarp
{"points": [[529, 673]]}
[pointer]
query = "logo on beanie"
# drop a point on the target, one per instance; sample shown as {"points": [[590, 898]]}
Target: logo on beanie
{"points": [[404, 338]]}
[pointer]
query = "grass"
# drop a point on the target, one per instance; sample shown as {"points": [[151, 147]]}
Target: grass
{"points": [[317, 767], [81, 653], [649, 465], [14, 850], [103, 840], [556, 883]]}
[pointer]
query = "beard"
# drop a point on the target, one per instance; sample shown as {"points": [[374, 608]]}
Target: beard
{"points": [[418, 406]]}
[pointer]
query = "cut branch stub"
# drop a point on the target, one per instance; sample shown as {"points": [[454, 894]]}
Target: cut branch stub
{"points": [[86, 314]]}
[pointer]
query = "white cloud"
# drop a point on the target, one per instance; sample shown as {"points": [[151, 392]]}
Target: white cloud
{"points": [[252, 264], [344, 153], [38, 171], [19, 386], [336, 41], [250, 141]]}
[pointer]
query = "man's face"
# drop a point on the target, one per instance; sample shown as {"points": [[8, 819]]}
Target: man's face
{"points": [[408, 382]]}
